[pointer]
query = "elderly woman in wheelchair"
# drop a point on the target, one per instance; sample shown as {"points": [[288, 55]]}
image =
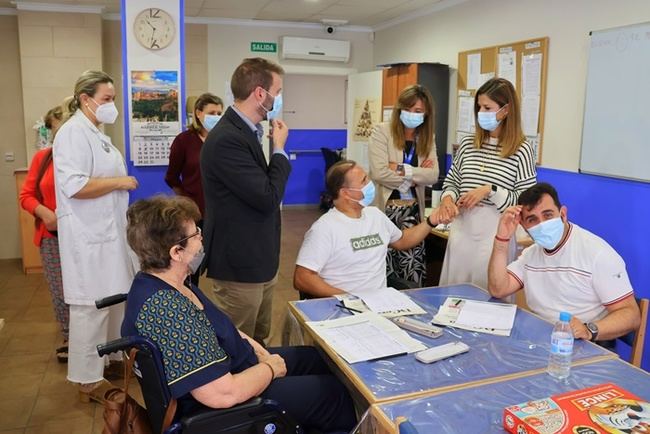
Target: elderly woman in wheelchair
{"points": [[207, 361]]}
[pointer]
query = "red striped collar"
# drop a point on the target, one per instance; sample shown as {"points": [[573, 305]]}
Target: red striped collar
{"points": [[562, 243]]}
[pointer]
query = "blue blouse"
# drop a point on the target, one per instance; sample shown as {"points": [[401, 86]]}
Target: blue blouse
{"points": [[197, 346]]}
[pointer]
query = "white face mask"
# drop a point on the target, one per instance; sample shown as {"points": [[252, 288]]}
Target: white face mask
{"points": [[105, 113]]}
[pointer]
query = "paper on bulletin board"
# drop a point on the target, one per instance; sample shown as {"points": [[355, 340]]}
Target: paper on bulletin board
{"points": [[531, 70], [460, 135], [473, 70], [366, 115], [465, 114], [485, 77], [387, 113], [507, 67], [530, 114], [534, 143]]}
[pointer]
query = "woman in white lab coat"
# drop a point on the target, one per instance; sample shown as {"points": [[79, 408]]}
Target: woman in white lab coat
{"points": [[92, 198]]}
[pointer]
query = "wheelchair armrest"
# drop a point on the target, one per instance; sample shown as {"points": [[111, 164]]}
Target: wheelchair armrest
{"points": [[121, 344], [110, 301], [209, 413]]}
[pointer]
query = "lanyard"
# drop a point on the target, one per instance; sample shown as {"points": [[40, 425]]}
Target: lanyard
{"points": [[409, 157]]}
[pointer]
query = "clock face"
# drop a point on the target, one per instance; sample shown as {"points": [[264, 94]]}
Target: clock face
{"points": [[154, 29]]}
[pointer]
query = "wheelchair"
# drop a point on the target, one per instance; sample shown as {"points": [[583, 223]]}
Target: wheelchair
{"points": [[257, 415]]}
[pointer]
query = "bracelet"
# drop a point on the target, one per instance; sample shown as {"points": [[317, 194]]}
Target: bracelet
{"points": [[503, 240], [271, 368], [429, 222]]}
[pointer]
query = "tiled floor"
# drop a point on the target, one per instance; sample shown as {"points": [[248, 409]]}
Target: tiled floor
{"points": [[34, 395]]}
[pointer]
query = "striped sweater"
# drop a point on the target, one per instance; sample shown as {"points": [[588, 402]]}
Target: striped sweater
{"points": [[474, 168]]}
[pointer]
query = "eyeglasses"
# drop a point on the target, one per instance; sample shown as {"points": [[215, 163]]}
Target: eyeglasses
{"points": [[198, 232]]}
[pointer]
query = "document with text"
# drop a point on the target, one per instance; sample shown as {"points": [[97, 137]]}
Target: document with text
{"points": [[364, 337]]}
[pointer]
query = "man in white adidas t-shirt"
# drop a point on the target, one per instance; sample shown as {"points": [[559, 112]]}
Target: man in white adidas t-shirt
{"points": [[567, 269], [346, 248]]}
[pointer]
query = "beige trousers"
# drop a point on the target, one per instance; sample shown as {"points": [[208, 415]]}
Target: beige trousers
{"points": [[249, 305], [89, 327]]}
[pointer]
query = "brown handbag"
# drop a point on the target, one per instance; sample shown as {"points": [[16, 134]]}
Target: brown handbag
{"points": [[122, 414]]}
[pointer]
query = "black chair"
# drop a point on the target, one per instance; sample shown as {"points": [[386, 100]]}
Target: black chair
{"points": [[254, 416], [330, 156]]}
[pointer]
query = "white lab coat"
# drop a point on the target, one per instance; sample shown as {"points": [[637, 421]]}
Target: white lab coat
{"points": [[95, 259]]}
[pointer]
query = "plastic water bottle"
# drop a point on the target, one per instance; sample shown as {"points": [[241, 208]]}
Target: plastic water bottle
{"points": [[559, 362]]}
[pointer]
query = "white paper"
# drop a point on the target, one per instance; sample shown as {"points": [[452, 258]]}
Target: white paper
{"points": [[466, 114], [390, 302], [449, 312], [366, 336], [507, 67], [387, 113], [530, 114], [473, 70], [485, 77], [487, 315], [534, 143], [460, 135], [531, 70]]}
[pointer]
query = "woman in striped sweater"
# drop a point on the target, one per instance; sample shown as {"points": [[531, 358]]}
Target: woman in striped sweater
{"points": [[489, 171]]}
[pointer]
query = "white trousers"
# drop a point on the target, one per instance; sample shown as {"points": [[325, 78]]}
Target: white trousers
{"points": [[470, 245], [89, 327]]}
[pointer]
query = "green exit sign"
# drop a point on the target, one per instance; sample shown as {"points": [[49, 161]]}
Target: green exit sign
{"points": [[264, 47]]}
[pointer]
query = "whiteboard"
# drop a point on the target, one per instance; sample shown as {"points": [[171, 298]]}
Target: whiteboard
{"points": [[616, 128]]}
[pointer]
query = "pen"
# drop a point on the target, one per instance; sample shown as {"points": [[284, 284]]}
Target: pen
{"points": [[457, 302], [347, 308]]}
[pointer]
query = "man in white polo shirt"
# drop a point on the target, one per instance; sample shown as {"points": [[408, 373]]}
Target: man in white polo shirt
{"points": [[567, 269], [346, 248]]}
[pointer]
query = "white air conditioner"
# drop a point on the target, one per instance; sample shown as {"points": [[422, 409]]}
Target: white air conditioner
{"points": [[315, 49]]}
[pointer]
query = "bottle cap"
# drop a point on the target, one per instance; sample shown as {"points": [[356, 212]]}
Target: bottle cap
{"points": [[565, 316]]}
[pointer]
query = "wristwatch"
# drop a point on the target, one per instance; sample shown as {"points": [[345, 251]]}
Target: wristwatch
{"points": [[429, 222], [593, 329]]}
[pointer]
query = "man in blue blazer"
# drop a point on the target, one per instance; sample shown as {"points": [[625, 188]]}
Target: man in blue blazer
{"points": [[242, 197]]}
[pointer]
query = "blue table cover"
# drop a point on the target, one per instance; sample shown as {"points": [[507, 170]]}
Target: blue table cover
{"points": [[480, 409], [526, 348]]}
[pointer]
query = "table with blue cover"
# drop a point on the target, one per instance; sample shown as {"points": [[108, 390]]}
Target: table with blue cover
{"points": [[479, 409], [490, 357]]}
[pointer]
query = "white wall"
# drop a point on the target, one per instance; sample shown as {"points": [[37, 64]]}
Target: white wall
{"points": [[474, 24], [228, 45]]}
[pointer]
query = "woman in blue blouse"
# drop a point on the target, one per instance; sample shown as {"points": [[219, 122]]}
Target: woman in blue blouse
{"points": [[207, 360]]}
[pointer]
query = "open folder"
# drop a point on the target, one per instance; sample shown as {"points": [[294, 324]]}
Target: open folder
{"points": [[477, 316], [364, 337]]}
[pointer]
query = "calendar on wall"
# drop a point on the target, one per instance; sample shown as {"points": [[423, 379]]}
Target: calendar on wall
{"points": [[151, 150], [154, 116]]}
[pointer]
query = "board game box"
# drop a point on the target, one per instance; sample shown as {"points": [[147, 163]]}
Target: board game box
{"points": [[601, 409]]}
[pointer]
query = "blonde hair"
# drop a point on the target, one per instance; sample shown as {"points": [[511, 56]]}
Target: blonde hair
{"points": [[511, 135], [424, 133], [87, 83], [199, 104]]}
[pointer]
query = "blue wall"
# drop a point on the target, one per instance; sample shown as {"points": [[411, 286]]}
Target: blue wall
{"points": [[307, 179], [616, 210]]}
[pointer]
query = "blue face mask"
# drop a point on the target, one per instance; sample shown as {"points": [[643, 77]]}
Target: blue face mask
{"points": [[209, 121], [411, 120], [368, 191], [275, 112], [548, 234], [488, 120]]}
